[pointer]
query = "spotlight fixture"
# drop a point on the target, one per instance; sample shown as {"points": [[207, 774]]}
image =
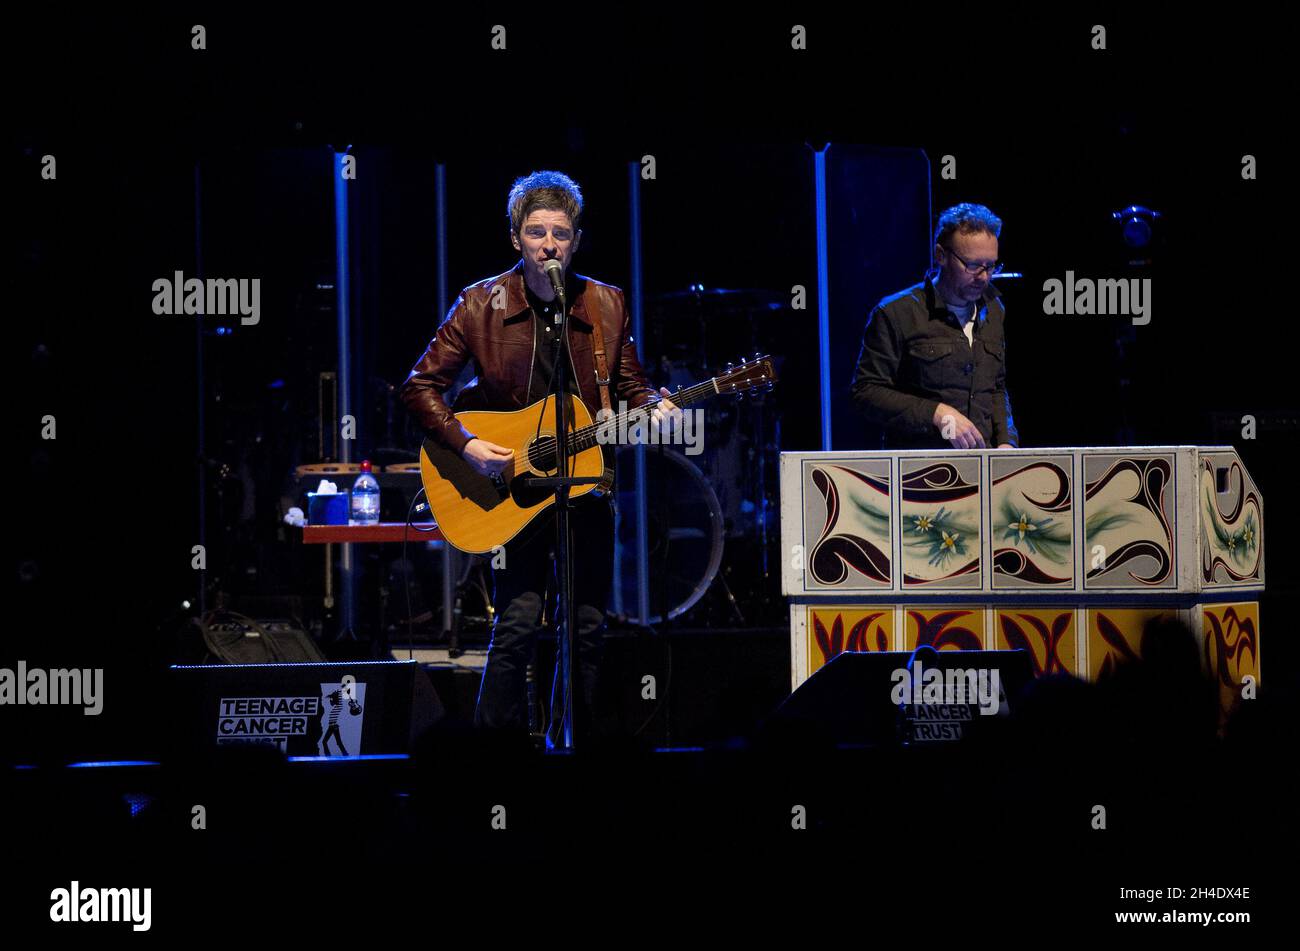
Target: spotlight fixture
{"points": [[1138, 224]]}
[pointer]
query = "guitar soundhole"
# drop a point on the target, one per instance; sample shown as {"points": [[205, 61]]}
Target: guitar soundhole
{"points": [[541, 455]]}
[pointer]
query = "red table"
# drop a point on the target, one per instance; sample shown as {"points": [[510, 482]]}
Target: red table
{"points": [[381, 532]]}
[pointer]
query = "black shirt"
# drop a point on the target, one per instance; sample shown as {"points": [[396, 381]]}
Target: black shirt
{"points": [[547, 346], [915, 356]]}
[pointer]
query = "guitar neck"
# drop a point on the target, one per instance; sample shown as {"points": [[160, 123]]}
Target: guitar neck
{"points": [[586, 438], [692, 394], [746, 377]]}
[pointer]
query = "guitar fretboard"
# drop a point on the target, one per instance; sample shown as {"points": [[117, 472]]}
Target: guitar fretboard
{"points": [[542, 453], [588, 436]]}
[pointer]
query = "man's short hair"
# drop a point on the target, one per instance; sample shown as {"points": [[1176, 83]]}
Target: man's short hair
{"points": [[966, 219], [552, 191]]}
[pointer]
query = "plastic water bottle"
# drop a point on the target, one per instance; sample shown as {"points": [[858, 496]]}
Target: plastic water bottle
{"points": [[365, 497]]}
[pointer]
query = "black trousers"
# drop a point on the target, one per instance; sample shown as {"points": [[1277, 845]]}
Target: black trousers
{"points": [[521, 587]]}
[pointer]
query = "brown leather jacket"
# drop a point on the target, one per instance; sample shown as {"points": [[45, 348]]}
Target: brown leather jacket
{"points": [[501, 341]]}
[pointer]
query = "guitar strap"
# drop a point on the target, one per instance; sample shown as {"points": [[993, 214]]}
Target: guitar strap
{"points": [[602, 368], [602, 385]]}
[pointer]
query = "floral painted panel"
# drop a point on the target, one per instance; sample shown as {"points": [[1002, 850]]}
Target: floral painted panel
{"points": [[940, 523], [1031, 519]]}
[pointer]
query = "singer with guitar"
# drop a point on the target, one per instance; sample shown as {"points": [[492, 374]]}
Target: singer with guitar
{"points": [[506, 326]]}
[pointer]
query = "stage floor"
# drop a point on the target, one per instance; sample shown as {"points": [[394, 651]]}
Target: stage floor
{"points": [[474, 820]]}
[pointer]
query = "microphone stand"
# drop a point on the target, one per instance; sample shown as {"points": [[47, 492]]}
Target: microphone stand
{"points": [[561, 482]]}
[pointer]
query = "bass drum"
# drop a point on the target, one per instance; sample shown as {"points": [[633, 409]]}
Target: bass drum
{"points": [[684, 537]]}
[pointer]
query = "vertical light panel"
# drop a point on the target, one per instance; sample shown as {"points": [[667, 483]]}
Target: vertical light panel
{"points": [[345, 373], [823, 297], [449, 562], [634, 300]]}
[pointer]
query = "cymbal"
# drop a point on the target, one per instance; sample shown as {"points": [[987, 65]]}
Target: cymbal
{"points": [[730, 295], [327, 468]]}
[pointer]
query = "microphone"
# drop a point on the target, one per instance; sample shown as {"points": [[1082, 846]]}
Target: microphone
{"points": [[555, 271]]}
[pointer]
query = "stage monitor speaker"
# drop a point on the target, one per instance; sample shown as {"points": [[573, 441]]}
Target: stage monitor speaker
{"points": [[354, 708], [852, 700]]}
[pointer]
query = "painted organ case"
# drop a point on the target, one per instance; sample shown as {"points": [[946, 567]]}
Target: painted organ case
{"points": [[1066, 553]]}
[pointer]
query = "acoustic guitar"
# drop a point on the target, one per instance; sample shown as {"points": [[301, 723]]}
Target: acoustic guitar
{"points": [[476, 513]]}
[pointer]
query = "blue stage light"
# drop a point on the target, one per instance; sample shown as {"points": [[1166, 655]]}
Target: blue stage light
{"points": [[138, 802], [1138, 224]]}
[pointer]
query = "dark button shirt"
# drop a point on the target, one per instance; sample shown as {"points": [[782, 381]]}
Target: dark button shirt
{"points": [[915, 356], [546, 347]]}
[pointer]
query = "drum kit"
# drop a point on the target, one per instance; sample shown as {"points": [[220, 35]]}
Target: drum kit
{"points": [[712, 517]]}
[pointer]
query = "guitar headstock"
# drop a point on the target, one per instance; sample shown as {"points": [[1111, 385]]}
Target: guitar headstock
{"points": [[756, 374]]}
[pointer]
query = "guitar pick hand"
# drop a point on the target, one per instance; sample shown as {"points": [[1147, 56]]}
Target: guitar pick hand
{"points": [[487, 458]]}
